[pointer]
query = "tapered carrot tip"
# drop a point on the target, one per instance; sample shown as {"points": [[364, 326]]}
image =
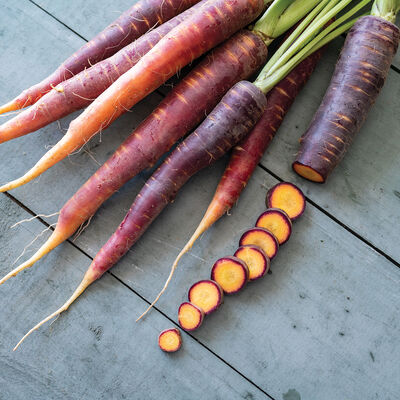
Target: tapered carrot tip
{"points": [[231, 273], [307, 172], [288, 198], [256, 260], [277, 222], [170, 340], [263, 238], [207, 295], [11, 106], [190, 317]]}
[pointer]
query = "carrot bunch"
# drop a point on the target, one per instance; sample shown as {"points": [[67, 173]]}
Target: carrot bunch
{"points": [[216, 88]]}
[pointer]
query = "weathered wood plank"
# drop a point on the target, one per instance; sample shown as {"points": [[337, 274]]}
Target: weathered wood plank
{"points": [[80, 15], [95, 350], [364, 190]]}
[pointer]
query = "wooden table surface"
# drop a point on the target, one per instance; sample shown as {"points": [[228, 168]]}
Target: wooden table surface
{"points": [[324, 325]]}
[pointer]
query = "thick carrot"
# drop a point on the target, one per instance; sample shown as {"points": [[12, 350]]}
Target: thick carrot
{"points": [[133, 23], [247, 154], [189, 101], [225, 126], [80, 90], [214, 22], [359, 75]]}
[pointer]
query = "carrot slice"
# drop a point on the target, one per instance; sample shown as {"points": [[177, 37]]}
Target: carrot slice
{"points": [[190, 317], [170, 340], [263, 238], [288, 198], [277, 222], [256, 260], [231, 273], [207, 295]]}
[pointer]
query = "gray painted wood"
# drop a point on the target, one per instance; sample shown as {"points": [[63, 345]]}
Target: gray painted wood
{"points": [[363, 192], [95, 350], [290, 333]]}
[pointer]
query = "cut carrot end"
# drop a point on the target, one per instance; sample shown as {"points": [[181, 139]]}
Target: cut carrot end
{"points": [[256, 260], [307, 172], [277, 222], [87, 280], [170, 340], [11, 106], [190, 317], [263, 238], [207, 295], [288, 198], [231, 273]]}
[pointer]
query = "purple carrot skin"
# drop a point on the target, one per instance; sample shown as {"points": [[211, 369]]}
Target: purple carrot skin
{"points": [[359, 75], [80, 90], [133, 23], [195, 96], [214, 22], [225, 126], [248, 153]]}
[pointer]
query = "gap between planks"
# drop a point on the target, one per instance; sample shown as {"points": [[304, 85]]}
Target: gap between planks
{"points": [[40, 219]]}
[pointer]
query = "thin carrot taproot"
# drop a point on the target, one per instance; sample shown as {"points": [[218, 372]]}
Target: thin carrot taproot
{"points": [[355, 85], [80, 90], [212, 23], [134, 22]]}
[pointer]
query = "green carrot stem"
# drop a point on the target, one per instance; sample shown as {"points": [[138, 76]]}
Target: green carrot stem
{"points": [[295, 34], [269, 78], [386, 9], [280, 16], [322, 18]]}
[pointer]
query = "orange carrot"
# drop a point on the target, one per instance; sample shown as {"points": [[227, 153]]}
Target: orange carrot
{"points": [[133, 23]]}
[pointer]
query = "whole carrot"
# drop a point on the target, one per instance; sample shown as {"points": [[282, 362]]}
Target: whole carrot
{"points": [[195, 96], [248, 153], [212, 23], [133, 23], [80, 90], [358, 78]]}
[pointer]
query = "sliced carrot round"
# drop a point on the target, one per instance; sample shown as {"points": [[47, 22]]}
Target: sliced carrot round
{"points": [[190, 317], [263, 238], [231, 273], [256, 260], [277, 222], [207, 295], [170, 340], [288, 198]]}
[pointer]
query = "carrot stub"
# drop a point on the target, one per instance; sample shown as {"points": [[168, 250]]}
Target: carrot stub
{"points": [[207, 295], [190, 317], [256, 260], [170, 340], [288, 198], [262, 238], [231, 273], [277, 222]]}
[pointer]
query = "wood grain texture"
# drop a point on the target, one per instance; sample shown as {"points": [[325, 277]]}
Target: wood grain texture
{"points": [[323, 325]]}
